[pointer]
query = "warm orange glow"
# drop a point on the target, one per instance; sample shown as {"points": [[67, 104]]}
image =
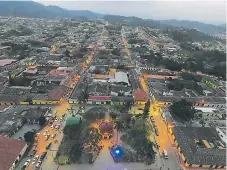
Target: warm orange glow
{"points": [[144, 85], [163, 138]]}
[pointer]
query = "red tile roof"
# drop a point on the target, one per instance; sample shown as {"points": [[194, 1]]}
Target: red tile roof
{"points": [[99, 98], [9, 151], [57, 93], [160, 76], [101, 76], [57, 72], [140, 95], [6, 62]]}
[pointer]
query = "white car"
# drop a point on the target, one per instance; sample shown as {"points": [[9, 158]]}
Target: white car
{"points": [[56, 120], [35, 159], [26, 164], [52, 126], [53, 135], [37, 166]]}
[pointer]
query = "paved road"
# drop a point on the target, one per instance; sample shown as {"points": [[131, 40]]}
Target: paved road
{"points": [[163, 140], [42, 143]]}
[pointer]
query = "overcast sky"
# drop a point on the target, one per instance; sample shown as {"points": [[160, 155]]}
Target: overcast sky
{"points": [[209, 11]]}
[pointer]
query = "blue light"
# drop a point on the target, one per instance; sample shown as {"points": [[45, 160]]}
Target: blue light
{"points": [[117, 152]]}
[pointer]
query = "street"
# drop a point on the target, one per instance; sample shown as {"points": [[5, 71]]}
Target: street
{"points": [[164, 141], [41, 139]]}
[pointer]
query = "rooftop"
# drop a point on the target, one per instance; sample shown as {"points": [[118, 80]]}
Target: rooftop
{"points": [[6, 62], [9, 151], [140, 95], [57, 93], [189, 140], [99, 98]]}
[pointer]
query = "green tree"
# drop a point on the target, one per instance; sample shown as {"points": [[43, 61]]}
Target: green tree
{"points": [[29, 136], [183, 109], [42, 121], [191, 76], [146, 109], [119, 127]]}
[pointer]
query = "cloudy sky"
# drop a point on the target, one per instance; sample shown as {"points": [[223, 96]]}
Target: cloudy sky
{"points": [[208, 11]]}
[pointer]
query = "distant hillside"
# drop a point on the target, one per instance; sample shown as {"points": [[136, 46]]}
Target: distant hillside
{"points": [[34, 9], [206, 28], [133, 21]]}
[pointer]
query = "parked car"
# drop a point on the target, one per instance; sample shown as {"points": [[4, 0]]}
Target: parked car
{"points": [[32, 153], [152, 119], [47, 136], [164, 153], [38, 165], [43, 156], [26, 164], [48, 146], [156, 132], [35, 159], [53, 135]]}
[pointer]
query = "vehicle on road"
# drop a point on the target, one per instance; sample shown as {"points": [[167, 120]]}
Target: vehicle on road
{"points": [[26, 164], [47, 136], [48, 146], [38, 165], [35, 159], [57, 126], [52, 126], [43, 156], [152, 119], [164, 153], [156, 132], [53, 135], [32, 153], [56, 119], [140, 109]]}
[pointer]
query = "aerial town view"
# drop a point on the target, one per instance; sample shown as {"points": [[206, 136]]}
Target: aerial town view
{"points": [[82, 90]]}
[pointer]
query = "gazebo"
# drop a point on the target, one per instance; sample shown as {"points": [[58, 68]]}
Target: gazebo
{"points": [[106, 129]]}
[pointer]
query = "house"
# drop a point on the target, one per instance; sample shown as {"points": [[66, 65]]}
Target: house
{"points": [[120, 78], [3, 80], [159, 76], [7, 64], [197, 147], [121, 100], [98, 89], [120, 90], [99, 100], [53, 97], [32, 115], [32, 71], [12, 150], [101, 78], [140, 97]]}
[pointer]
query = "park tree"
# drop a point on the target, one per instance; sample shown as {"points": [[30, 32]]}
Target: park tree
{"points": [[42, 121], [183, 109], [146, 109], [119, 127], [29, 136]]}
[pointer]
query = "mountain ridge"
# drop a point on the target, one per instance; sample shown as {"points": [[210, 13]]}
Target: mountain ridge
{"points": [[34, 9]]}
